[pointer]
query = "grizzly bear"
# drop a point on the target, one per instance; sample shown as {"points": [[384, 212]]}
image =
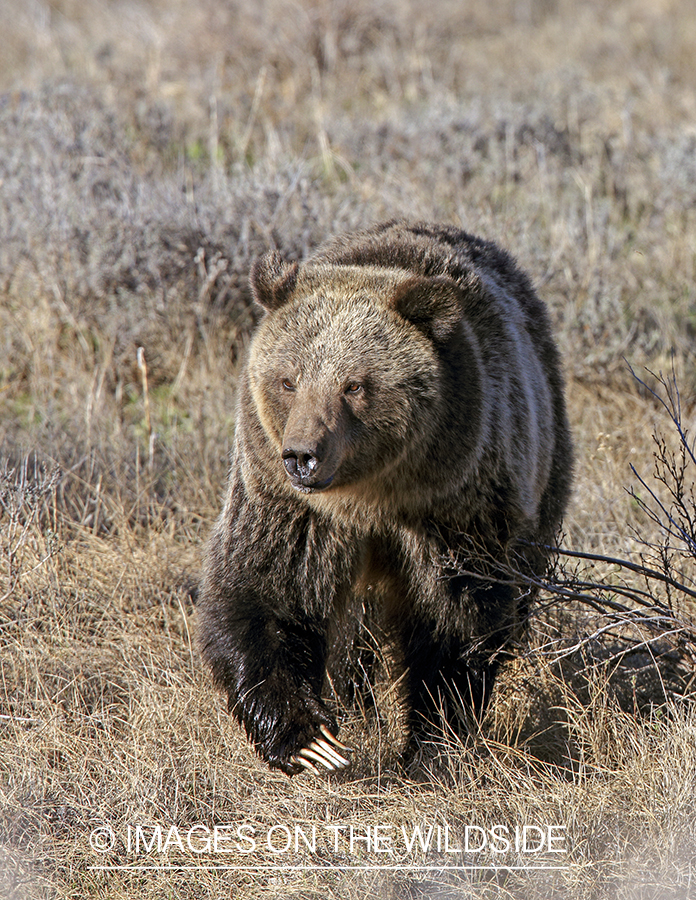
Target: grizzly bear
{"points": [[402, 462]]}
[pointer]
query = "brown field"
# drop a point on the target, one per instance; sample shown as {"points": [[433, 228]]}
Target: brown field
{"points": [[149, 150]]}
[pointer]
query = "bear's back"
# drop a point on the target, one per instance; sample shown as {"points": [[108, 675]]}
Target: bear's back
{"points": [[434, 250], [427, 250]]}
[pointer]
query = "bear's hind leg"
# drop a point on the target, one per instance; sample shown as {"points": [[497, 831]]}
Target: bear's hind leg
{"points": [[448, 687]]}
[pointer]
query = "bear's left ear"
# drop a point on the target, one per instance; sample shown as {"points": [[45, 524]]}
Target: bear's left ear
{"points": [[272, 280], [434, 305]]}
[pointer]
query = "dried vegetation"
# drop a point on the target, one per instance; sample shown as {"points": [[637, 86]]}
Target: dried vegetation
{"points": [[148, 151]]}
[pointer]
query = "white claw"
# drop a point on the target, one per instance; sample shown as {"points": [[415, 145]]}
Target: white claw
{"points": [[330, 752], [325, 753], [334, 740], [321, 751], [311, 754], [306, 763]]}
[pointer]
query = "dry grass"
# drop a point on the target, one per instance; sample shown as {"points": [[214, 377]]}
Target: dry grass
{"points": [[148, 151]]}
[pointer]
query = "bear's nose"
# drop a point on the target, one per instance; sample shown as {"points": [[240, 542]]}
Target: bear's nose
{"points": [[300, 463]]}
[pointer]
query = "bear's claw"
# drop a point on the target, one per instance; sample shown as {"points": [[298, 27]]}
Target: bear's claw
{"points": [[334, 740], [330, 752], [321, 751], [300, 760]]}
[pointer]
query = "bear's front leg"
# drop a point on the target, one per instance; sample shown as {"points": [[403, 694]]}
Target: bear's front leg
{"points": [[268, 591], [272, 671]]}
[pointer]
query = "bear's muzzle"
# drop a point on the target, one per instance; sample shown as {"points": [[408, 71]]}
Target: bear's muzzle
{"points": [[303, 469]]}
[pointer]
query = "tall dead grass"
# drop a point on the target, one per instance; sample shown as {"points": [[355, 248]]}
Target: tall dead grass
{"points": [[148, 151]]}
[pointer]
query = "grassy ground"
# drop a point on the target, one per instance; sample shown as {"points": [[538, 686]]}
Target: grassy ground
{"points": [[148, 151]]}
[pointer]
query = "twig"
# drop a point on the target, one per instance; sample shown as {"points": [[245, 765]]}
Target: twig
{"points": [[142, 365]]}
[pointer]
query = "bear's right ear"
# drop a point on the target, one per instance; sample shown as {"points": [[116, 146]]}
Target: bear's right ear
{"points": [[272, 280]]}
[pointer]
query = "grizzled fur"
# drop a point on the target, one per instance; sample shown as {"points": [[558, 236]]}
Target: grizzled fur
{"points": [[401, 447]]}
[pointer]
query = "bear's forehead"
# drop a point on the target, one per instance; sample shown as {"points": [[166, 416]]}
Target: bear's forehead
{"points": [[343, 282], [327, 339], [345, 319]]}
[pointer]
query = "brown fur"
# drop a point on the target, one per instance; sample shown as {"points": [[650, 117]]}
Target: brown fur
{"points": [[401, 435]]}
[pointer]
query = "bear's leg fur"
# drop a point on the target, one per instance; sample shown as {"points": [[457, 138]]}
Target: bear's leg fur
{"points": [[272, 670], [451, 676], [353, 662], [264, 630]]}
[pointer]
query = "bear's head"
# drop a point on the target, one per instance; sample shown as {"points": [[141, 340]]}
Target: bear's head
{"points": [[346, 368]]}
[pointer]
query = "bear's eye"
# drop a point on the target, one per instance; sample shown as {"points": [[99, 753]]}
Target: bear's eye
{"points": [[353, 387], [287, 384]]}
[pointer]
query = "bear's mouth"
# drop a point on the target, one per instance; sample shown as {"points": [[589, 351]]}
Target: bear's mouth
{"points": [[307, 487]]}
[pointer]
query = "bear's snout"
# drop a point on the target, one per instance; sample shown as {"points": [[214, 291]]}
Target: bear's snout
{"points": [[300, 463], [302, 466], [311, 446]]}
